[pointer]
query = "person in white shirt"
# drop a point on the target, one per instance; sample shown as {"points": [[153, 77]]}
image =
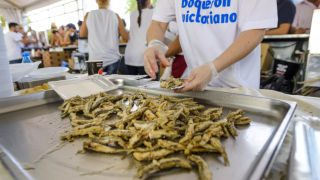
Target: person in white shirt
{"points": [[220, 40], [303, 18], [102, 27], [140, 20], [12, 39]]}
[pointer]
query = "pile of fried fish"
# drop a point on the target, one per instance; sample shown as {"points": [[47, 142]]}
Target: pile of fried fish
{"points": [[171, 82], [152, 128]]}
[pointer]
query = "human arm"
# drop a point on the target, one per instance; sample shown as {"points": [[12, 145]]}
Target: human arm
{"points": [[156, 31], [246, 42], [174, 47], [67, 37], [123, 33], [282, 29], [84, 28], [299, 30]]}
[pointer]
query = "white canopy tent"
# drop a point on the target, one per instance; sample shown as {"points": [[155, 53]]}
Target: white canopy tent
{"points": [[27, 5]]}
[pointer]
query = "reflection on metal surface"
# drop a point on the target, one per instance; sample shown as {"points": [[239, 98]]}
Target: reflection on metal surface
{"points": [[305, 157], [28, 133], [287, 36]]}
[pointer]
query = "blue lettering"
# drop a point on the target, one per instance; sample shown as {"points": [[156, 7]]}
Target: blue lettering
{"points": [[183, 17], [204, 5], [204, 19], [191, 2], [224, 18], [208, 3], [211, 19], [190, 17], [187, 16], [233, 17], [184, 3], [198, 5], [217, 3], [211, 4], [216, 19], [224, 4]]}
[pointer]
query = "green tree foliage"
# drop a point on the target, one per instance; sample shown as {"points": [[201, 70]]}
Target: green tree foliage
{"points": [[132, 4], [2, 21]]}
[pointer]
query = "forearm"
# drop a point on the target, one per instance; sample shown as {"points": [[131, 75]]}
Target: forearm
{"points": [[239, 49], [174, 48], [277, 31], [156, 31]]}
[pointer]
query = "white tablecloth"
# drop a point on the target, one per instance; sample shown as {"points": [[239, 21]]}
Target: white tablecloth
{"points": [[307, 106]]}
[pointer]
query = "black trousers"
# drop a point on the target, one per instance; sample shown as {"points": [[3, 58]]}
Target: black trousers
{"points": [[136, 70]]}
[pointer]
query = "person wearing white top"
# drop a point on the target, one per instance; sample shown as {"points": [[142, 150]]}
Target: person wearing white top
{"points": [[12, 39], [303, 18], [140, 20], [220, 39], [102, 27]]}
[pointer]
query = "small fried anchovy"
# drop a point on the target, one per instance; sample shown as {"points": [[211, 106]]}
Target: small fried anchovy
{"points": [[101, 148], [120, 133], [243, 121], [152, 155], [156, 166], [161, 134], [208, 134], [134, 139], [81, 132], [204, 169], [149, 115], [190, 146], [215, 142], [98, 101], [171, 145], [105, 109], [189, 132]]}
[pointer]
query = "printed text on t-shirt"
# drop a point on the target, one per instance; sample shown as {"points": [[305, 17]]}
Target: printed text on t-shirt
{"points": [[207, 19]]}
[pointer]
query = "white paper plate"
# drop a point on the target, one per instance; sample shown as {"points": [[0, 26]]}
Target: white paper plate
{"points": [[83, 87], [48, 72], [18, 71]]}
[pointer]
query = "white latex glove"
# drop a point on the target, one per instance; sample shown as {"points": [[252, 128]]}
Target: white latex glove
{"points": [[200, 77], [155, 51]]}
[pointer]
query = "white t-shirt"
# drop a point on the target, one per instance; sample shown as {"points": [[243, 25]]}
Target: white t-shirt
{"points": [[103, 33], [304, 13], [12, 40], [138, 37], [208, 28]]}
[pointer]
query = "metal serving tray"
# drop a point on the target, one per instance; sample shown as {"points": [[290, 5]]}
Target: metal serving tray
{"points": [[28, 133], [29, 82], [305, 158]]}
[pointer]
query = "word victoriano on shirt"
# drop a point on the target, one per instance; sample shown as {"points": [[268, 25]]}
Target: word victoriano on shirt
{"points": [[210, 18]]}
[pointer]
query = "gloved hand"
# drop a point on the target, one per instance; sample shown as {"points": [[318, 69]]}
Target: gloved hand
{"points": [[155, 51], [200, 77]]}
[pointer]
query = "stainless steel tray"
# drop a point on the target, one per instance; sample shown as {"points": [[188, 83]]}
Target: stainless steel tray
{"points": [[305, 158], [28, 133], [29, 82]]}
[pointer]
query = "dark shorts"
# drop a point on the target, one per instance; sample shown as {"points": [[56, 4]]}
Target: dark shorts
{"points": [[136, 70]]}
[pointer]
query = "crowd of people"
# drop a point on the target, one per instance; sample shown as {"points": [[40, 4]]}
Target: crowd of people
{"points": [[64, 35], [103, 28]]}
